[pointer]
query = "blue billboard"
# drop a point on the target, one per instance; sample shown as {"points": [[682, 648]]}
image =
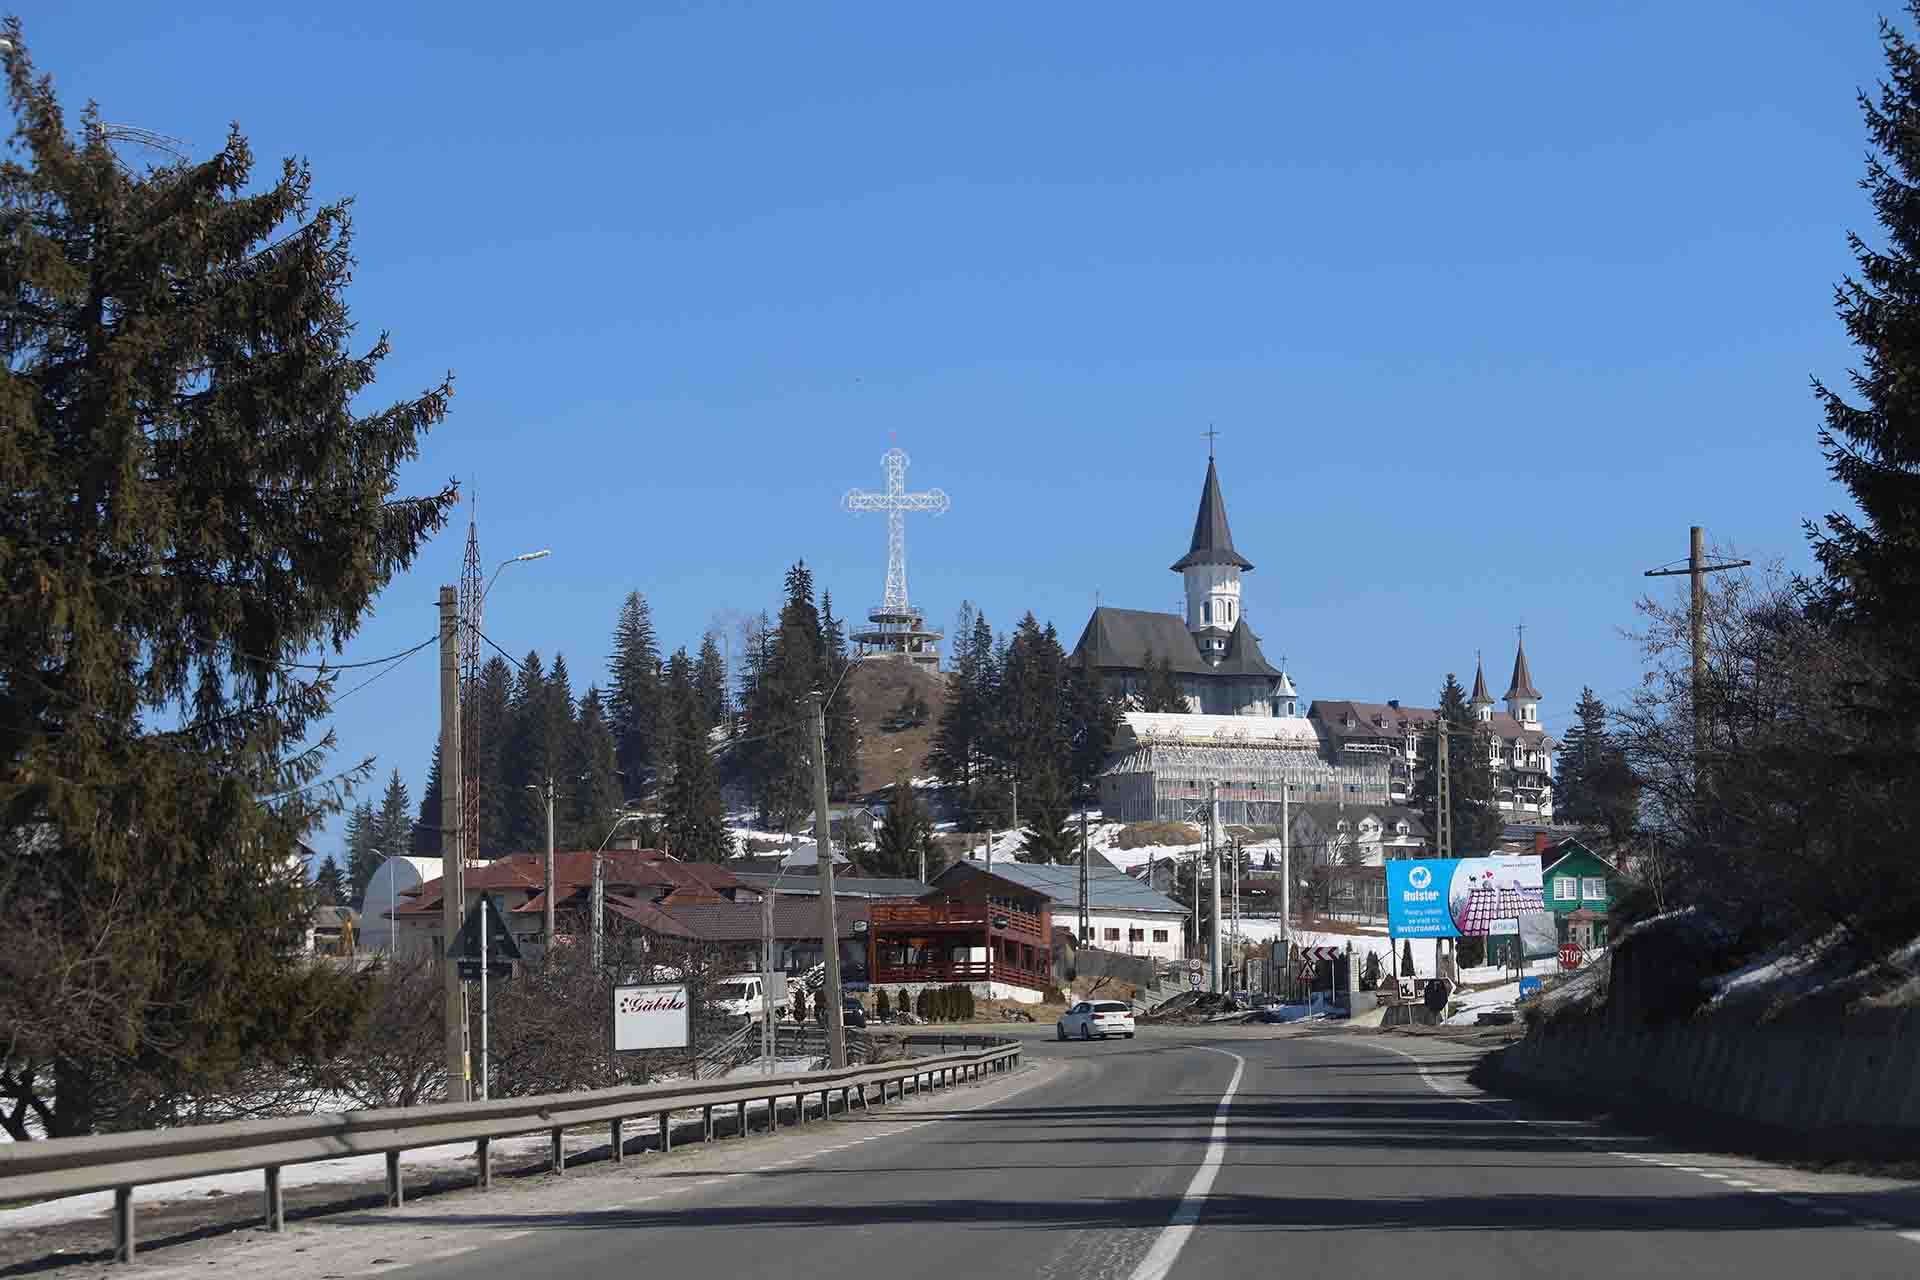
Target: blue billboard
{"points": [[1460, 897]]}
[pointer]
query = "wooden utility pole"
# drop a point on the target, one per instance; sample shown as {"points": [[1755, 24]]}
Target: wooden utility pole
{"points": [[547, 897], [1213, 867], [1086, 909], [829, 927], [453, 895], [1442, 792], [1697, 570]]}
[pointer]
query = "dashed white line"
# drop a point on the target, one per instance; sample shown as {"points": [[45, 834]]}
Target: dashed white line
{"points": [[1173, 1237]]}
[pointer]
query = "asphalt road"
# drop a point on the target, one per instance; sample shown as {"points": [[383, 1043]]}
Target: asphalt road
{"points": [[1333, 1157]]}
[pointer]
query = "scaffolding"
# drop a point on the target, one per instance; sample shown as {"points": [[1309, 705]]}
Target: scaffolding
{"points": [[1162, 781]]}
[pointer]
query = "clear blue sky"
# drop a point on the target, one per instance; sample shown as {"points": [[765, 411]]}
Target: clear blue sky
{"points": [[1488, 303]]}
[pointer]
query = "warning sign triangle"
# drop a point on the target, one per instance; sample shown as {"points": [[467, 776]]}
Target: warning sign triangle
{"points": [[500, 942]]}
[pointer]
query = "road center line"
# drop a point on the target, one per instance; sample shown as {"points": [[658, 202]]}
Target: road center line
{"points": [[1173, 1237]]}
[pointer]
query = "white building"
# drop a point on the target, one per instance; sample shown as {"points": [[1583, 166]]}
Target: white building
{"points": [[1125, 915]]}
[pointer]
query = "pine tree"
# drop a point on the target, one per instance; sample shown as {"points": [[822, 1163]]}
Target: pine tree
{"points": [[634, 694], [1049, 834], [695, 818], [842, 733], [392, 833], [782, 768], [498, 799], [710, 681], [1871, 564], [592, 805], [904, 837], [363, 838], [958, 750], [1477, 821], [426, 828], [192, 505], [1094, 720], [1161, 690], [326, 883]]}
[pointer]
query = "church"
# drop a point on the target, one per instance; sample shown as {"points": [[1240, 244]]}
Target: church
{"points": [[1215, 655], [1243, 740]]}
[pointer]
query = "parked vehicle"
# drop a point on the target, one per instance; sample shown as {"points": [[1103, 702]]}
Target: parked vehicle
{"points": [[1095, 1019], [741, 996]]}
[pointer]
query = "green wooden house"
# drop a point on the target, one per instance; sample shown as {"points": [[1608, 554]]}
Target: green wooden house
{"points": [[1580, 887]]}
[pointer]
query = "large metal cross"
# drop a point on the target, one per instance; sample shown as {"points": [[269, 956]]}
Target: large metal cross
{"points": [[896, 502]]}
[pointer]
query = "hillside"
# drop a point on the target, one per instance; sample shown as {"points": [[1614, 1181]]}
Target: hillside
{"points": [[878, 687]]}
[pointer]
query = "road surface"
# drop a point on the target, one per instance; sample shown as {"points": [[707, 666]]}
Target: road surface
{"points": [[1175, 1154]]}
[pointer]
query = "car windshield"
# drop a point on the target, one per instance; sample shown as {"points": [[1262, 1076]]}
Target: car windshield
{"points": [[730, 991], [1110, 1006]]}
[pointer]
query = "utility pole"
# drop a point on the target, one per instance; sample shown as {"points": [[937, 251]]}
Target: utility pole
{"points": [[1442, 791], [1086, 910], [597, 903], [767, 1036], [1286, 883], [547, 897], [1697, 570], [1213, 867], [453, 892], [829, 927]]}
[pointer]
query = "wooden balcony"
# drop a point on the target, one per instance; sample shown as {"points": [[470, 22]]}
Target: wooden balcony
{"points": [[961, 971], [892, 917]]}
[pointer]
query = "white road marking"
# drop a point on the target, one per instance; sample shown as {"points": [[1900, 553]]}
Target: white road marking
{"points": [[1173, 1237], [1911, 1237]]}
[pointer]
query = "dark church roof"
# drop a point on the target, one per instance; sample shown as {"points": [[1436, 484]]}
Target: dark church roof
{"points": [[1120, 639], [1212, 539], [1480, 693], [1522, 678]]}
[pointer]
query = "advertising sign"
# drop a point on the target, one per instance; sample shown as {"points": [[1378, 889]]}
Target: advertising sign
{"points": [[649, 1018], [1508, 928], [1460, 897]]}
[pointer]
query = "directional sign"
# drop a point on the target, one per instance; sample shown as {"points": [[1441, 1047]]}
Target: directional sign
{"points": [[497, 970], [500, 943]]}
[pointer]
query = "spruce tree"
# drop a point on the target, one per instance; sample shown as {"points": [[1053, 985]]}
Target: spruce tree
{"points": [[1049, 833], [363, 837], [326, 883], [959, 743], [842, 731], [1094, 720], [591, 806], [634, 694], [1161, 689], [710, 680], [524, 761], [904, 836], [1870, 562], [392, 832], [782, 773], [193, 507], [426, 828], [694, 817], [1477, 821], [493, 701]]}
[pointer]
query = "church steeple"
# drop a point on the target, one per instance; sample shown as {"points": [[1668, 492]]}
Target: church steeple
{"points": [[1212, 569], [1481, 702], [1522, 699]]}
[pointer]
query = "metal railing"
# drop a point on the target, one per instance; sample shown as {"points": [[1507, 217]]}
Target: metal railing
{"points": [[119, 1162]]}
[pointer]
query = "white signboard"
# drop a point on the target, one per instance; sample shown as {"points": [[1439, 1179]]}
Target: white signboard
{"points": [[1508, 928], [649, 1018]]}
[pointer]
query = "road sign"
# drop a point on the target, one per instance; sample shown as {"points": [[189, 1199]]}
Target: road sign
{"points": [[500, 941], [497, 970], [1196, 974], [1571, 955], [1529, 988]]}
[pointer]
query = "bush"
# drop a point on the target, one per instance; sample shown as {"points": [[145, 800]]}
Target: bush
{"points": [[1370, 974], [799, 1005], [901, 1004], [1471, 952], [882, 1007], [923, 1004]]}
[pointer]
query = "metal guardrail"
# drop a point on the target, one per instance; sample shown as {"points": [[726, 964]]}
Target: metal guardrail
{"points": [[119, 1162]]}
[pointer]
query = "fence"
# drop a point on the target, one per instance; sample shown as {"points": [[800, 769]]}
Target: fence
{"points": [[121, 1162]]}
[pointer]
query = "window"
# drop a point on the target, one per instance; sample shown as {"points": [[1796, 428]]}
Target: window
{"points": [[1159, 935], [1206, 611], [1113, 935], [1136, 935], [1593, 889], [1566, 889]]}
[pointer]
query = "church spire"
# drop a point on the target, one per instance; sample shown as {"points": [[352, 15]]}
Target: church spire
{"points": [[1481, 702], [1212, 539], [1523, 700]]}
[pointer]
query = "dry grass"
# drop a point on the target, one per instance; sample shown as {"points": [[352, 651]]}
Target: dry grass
{"points": [[876, 688], [1139, 835]]}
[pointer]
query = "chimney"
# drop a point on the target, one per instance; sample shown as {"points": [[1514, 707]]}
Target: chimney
{"points": [[1540, 843]]}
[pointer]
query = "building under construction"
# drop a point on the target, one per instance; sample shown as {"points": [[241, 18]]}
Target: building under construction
{"points": [[1164, 763]]}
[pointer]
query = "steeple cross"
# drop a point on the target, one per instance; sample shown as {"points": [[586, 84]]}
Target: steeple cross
{"points": [[896, 502], [1211, 435]]}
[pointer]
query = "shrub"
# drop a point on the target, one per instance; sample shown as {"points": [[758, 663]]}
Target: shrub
{"points": [[799, 1005], [882, 1007]]}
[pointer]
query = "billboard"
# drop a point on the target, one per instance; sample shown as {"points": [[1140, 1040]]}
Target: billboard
{"points": [[649, 1018], [1461, 897]]}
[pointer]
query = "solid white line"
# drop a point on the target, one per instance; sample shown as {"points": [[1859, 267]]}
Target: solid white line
{"points": [[1173, 1237], [1911, 1237]]}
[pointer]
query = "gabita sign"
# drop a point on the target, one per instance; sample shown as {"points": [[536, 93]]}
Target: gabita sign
{"points": [[649, 1018]]}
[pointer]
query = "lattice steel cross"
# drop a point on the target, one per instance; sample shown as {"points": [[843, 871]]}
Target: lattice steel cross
{"points": [[896, 502]]}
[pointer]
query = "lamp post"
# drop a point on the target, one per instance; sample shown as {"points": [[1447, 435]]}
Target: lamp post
{"points": [[522, 558]]}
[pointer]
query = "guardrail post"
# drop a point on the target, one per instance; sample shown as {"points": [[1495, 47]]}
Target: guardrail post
{"points": [[666, 1131], [276, 1204], [123, 1224], [617, 1139], [742, 1131], [706, 1123], [483, 1162], [396, 1191], [773, 1114], [557, 1157]]}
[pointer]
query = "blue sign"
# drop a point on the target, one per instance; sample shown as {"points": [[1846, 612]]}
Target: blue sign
{"points": [[1417, 898], [1529, 987]]}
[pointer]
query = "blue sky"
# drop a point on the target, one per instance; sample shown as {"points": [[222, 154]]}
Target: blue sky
{"points": [[1488, 303]]}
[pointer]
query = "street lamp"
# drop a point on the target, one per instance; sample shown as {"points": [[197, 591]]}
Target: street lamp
{"points": [[541, 554], [598, 897]]}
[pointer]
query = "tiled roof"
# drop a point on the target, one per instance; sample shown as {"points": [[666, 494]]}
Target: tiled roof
{"points": [[843, 886], [1333, 714], [648, 871], [1487, 905]]}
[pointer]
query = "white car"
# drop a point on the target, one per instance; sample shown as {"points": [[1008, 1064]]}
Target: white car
{"points": [[1096, 1019]]}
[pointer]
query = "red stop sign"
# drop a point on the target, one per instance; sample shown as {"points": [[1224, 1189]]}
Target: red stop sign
{"points": [[1571, 955]]}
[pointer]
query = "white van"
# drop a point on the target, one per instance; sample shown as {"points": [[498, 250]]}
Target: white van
{"points": [[741, 996]]}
